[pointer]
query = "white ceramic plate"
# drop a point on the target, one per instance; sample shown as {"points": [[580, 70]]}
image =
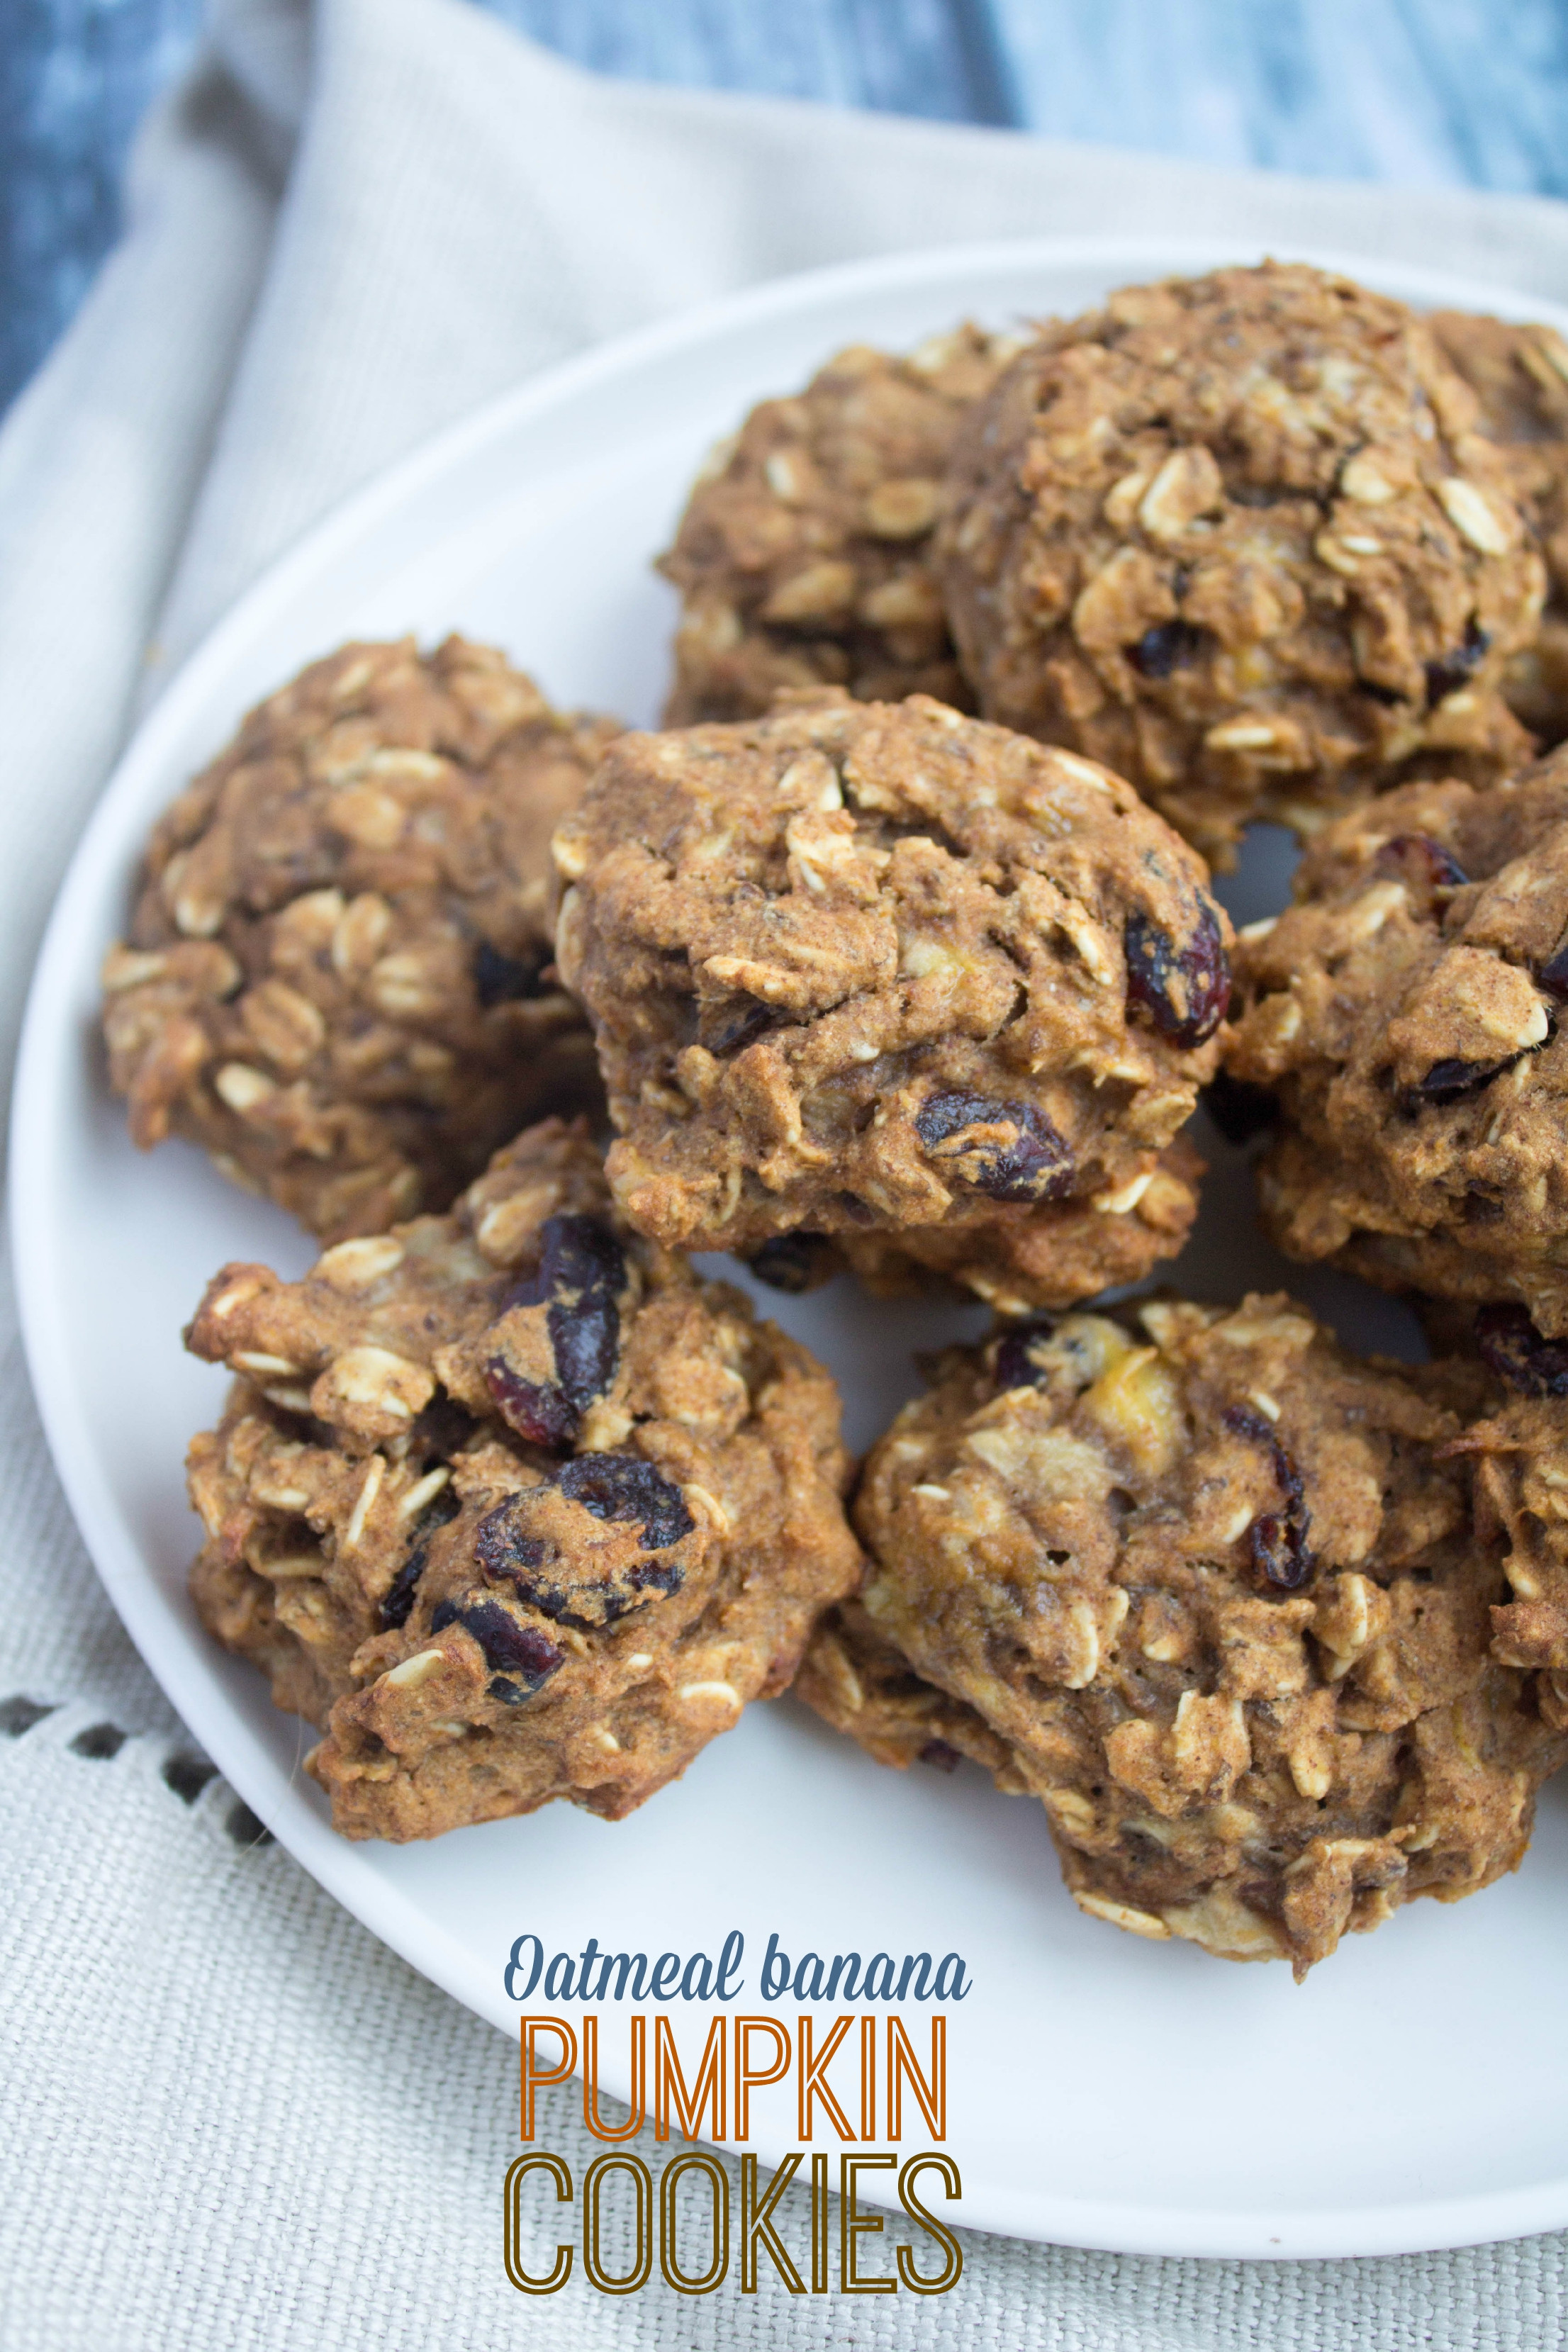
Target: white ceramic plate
{"points": [[1104, 2092]]}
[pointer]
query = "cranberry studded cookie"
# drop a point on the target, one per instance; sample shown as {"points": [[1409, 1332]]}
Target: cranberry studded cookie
{"points": [[337, 974], [1238, 536], [857, 1681], [1407, 1013], [878, 967], [1520, 376], [1048, 1254], [1027, 1255], [510, 1505], [1219, 1595], [1521, 1484], [802, 556]]}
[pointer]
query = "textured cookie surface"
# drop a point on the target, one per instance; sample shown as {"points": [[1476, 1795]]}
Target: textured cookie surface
{"points": [[335, 975], [1052, 1254], [878, 965], [802, 556], [1520, 377], [1405, 1012], [1522, 1481], [1238, 536], [1224, 1595], [855, 1679], [509, 1505]]}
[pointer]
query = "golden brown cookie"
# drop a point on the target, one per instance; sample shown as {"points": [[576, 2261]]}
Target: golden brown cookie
{"points": [[1239, 537], [877, 966], [1521, 1484], [337, 975], [801, 558], [860, 1684], [1221, 1595], [1405, 1012], [510, 1505], [1051, 1254], [1520, 376]]}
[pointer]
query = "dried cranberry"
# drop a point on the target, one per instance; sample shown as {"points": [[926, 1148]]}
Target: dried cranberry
{"points": [[938, 1753], [508, 1554], [625, 1486], [581, 1273], [599, 1590], [1554, 974], [1445, 677], [1516, 1352], [398, 1599], [442, 1429], [1276, 1540], [538, 1410], [1429, 865], [1172, 644], [510, 1647], [1238, 1108], [505, 980], [502, 1545], [1451, 1081], [1012, 1366], [600, 1601], [1035, 1164], [732, 1023], [795, 1261], [858, 1211], [1277, 1552], [1242, 1422], [1184, 991]]}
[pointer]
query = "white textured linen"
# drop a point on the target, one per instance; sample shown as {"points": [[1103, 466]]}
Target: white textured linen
{"points": [[229, 2117]]}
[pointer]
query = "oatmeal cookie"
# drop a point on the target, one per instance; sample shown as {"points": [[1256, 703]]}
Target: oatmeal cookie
{"points": [[337, 978], [511, 1506], [1239, 537], [1521, 1480], [1406, 1013], [1220, 1592], [801, 558], [858, 966], [1052, 1253], [860, 1684], [1520, 376]]}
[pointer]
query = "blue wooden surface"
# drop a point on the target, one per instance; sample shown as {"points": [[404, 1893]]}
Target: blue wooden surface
{"points": [[1423, 91]]}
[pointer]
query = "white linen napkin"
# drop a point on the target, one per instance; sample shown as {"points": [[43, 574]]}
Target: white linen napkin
{"points": [[231, 2118]]}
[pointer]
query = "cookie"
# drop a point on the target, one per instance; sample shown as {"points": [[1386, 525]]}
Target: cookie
{"points": [[1406, 1013], [859, 967], [1223, 1594], [510, 1505], [1520, 377], [1052, 1254], [1521, 1481], [801, 558], [337, 977], [857, 1681], [1239, 537]]}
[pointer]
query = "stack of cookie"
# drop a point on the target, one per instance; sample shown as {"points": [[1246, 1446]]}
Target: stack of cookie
{"points": [[514, 1506]]}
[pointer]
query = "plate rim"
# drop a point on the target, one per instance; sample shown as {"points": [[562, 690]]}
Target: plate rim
{"points": [[42, 1074]]}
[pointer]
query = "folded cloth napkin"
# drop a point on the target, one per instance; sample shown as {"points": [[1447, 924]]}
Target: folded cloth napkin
{"points": [[232, 2118]]}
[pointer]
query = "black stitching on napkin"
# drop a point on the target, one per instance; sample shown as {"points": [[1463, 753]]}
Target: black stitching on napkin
{"points": [[188, 1775], [19, 1715], [185, 1774], [243, 1826], [99, 1742]]}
